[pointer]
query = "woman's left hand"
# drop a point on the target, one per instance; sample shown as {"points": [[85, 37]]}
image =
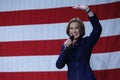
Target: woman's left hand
{"points": [[82, 7]]}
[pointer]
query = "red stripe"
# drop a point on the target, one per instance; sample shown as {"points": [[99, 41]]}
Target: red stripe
{"points": [[113, 74], [52, 47], [100, 75], [56, 15], [107, 44]]}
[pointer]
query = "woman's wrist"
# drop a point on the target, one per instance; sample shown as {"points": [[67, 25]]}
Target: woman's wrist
{"points": [[89, 12]]}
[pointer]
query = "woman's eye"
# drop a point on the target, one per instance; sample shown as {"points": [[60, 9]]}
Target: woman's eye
{"points": [[77, 27], [71, 28]]}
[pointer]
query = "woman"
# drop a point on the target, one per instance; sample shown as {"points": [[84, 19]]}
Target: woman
{"points": [[76, 53]]}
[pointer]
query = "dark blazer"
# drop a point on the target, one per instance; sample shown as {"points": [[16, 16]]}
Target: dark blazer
{"points": [[77, 57]]}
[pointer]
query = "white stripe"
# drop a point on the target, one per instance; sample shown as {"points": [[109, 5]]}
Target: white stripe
{"points": [[47, 63], [8, 5], [53, 31], [105, 61]]}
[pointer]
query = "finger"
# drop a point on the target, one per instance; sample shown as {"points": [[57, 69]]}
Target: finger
{"points": [[82, 7], [75, 7]]}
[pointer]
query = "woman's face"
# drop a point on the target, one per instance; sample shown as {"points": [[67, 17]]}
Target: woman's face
{"points": [[74, 30]]}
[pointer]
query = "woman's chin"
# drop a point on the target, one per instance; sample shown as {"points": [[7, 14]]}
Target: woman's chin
{"points": [[76, 38]]}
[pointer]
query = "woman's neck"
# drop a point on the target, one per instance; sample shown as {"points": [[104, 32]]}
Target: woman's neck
{"points": [[74, 41]]}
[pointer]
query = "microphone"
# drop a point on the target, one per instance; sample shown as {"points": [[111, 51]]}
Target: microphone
{"points": [[72, 38], [68, 47]]}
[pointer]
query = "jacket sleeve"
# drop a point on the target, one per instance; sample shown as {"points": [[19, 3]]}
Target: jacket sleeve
{"points": [[61, 61], [95, 34]]}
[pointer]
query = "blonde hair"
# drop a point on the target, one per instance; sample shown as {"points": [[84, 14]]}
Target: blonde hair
{"points": [[81, 25]]}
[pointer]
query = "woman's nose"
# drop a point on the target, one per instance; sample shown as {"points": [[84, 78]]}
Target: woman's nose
{"points": [[74, 30]]}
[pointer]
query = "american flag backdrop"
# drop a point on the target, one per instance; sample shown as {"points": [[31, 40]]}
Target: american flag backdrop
{"points": [[32, 32]]}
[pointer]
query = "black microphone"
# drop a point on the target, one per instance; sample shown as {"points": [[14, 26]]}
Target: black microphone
{"points": [[68, 47], [72, 38]]}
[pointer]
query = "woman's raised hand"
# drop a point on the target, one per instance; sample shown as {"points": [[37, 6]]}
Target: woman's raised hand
{"points": [[82, 7]]}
